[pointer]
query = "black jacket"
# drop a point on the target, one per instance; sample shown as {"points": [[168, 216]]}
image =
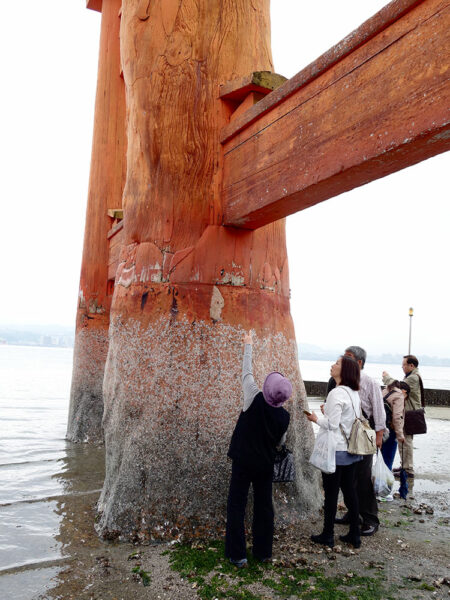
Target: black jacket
{"points": [[257, 433]]}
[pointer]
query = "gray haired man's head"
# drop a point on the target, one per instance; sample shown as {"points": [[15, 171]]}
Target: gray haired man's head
{"points": [[358, 354]]}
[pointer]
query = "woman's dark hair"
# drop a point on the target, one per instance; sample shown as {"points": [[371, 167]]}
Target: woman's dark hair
{"points": [[350, 373], [394, 384], [404, 386]]}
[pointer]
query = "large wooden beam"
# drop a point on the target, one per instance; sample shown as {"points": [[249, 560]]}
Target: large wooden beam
{"points": [[374, 104]]}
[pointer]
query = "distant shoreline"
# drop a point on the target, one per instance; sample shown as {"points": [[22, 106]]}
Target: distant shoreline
{"points": [[25, 344], [387, 359], [67, 340]]}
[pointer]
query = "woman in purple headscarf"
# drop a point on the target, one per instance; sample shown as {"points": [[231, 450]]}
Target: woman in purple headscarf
{"points": [[261, 427]]}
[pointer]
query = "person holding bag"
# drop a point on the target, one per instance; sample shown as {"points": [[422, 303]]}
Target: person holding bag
{"points": [[395, 395], [342, 406]]}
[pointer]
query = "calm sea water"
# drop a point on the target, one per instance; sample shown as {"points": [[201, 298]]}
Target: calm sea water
{"points": [[44, 480], [437, 378], [48, 486]]}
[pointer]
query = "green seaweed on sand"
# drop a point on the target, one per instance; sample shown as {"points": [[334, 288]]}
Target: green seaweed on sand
{"points": [[205, 566], [142, 574]]}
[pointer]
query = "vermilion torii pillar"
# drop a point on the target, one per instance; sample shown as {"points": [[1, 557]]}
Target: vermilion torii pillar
{"points": [[106, 183], [186, 288], [205, 148]]}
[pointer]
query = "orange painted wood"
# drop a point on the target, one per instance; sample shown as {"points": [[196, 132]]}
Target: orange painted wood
{"points": [[94, 5], [251, 99], [172, 75], [186, 287], [108, 161], [115, 246], [369, 29], [381, 107], [107, 176], [114, 230]]}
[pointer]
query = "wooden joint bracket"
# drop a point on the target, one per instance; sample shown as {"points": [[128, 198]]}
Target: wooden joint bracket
{"points": [[240, 94], [262, 82], [115, 213]]}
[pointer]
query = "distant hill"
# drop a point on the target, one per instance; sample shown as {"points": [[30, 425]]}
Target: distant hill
{"points": [[59, 336], [311, 352]]}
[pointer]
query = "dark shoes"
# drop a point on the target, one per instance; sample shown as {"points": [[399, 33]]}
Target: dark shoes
{"points": [[325, 540], [265, 559], [239, 563], [354, 540], [345, 520], [369, 529]]}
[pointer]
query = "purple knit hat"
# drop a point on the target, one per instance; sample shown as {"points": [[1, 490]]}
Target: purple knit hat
{"points": [[276, 389]]}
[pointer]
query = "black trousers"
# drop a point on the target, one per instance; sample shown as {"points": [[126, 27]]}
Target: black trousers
{"points": [[344, 479], [368, 507], [263, 515]]}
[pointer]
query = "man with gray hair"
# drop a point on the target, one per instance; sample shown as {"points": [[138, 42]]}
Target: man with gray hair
{"points": [[373, 409]]}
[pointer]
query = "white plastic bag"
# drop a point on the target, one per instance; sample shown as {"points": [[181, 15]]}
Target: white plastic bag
{"points": [[382, 477], [324, 453]]}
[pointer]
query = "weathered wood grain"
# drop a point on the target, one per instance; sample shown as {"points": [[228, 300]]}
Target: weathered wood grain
{"points": [[380, 108]]}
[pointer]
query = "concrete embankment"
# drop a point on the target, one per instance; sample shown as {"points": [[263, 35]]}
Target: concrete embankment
{"points": [[432, 397]]}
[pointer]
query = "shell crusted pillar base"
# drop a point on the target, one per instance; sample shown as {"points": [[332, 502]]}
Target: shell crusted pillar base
{"points": [[86, 394], [172, 397]]}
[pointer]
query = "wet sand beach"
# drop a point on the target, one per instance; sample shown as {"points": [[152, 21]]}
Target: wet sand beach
{"points": [[49, 549], [410, 552]]}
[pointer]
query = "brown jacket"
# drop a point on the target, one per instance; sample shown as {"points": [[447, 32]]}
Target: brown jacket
{"points": [[397, 403], [412, 379]]}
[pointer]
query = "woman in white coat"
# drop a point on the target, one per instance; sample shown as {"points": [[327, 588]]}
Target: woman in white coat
{"points": [[339, 412]]}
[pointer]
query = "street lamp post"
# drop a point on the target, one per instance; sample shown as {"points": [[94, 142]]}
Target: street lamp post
{"points": [[411, 312]]}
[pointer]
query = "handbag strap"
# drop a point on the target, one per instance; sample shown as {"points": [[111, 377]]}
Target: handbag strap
{"points": [[351, 400], [389, 394], [422, 392], [343, 433], [356, 416]]}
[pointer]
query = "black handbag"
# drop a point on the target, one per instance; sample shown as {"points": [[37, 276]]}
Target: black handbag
{"points": [[283, 468], [415, 422], [415, 419]]}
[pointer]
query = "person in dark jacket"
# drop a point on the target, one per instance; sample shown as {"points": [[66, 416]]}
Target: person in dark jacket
{"points": [[261, 427]]}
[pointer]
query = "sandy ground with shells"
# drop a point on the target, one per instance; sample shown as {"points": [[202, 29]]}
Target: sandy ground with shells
{"points": [[411, 549]]}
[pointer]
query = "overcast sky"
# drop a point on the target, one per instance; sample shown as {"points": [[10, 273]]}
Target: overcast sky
{"points": [[357, 262]]}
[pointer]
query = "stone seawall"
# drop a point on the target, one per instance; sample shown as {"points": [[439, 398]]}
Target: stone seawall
{"points": [[432, 397]]}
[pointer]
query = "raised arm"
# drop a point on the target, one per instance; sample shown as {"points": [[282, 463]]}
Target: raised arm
{"points": [[387, 379], [249, 386]]}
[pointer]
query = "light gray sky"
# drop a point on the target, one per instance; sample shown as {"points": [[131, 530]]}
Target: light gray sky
{"points": [[357, 262]]}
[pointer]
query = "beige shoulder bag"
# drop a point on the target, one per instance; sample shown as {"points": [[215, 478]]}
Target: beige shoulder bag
{"points": [[362, 439]]}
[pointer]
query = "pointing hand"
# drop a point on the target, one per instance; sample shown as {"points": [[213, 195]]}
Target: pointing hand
{"points": [[248, 338]]}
